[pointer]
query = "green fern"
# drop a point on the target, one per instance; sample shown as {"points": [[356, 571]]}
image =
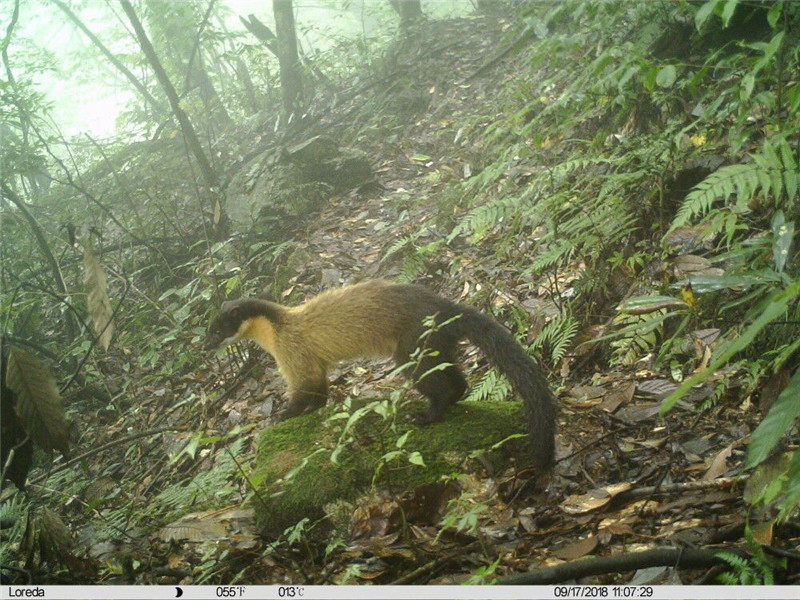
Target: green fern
{"points": [[483, 219], [413, 267], [493, 386], [757, 570], [638, 335], [487, 217], [403, 242], [742, 180], [773, 172], [557, 336], [741, 573], [114, 523], [209, 485]]}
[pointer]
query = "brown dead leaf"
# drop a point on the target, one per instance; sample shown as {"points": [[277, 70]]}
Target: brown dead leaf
{"points": [[656, 388], [634, 510], [195, 531], [373, 546], [609, 528], [586, 395], [772, 388], [703, 355], [691, 264], [234, 524], [577, 549], [672, 528], [594, 499], [618, 396], [719, 465], [377, 519], [654, 443], [762, 532], [706, 336], [714, 497], [584, 341], [638, 413], [427, 501], [619, 528]]}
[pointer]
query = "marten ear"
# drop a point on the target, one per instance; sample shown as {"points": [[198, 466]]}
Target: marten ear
{"points": [[235, 312]]}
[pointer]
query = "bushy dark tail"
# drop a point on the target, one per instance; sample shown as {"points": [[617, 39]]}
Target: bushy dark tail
{"points": [[526, 376]]}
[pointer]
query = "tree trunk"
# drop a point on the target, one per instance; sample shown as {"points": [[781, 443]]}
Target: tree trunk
{"points": [[41, 238], [196, 75], [409, 11], [209, 175], [291, 75]]}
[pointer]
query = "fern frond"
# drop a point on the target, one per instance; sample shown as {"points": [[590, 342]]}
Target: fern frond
{"points": [[559, 251], [637, 336], [734, 560], [562, 338], [404, 241], [483, 219], [557, 336], [742, 180], [413, 267], [493, 386], [577, 164], [774, 172]]}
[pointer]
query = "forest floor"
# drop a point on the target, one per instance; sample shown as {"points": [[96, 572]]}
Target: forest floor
{"points": [[626, 479]]}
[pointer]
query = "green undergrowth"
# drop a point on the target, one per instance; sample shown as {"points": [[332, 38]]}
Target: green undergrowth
{"points": [[297, 477], [642, 167]]}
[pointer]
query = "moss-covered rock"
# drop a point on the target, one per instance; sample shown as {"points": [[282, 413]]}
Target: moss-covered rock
{"points": [[298, 477], [279, 187]]}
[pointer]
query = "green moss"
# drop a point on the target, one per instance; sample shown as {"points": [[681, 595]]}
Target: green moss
{"points": [[298, 477]]}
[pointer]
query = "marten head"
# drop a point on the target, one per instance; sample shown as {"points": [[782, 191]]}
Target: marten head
{"points": [[243, 319]]}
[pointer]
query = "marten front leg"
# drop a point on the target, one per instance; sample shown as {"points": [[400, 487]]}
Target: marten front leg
{"points": [[305, 398]]}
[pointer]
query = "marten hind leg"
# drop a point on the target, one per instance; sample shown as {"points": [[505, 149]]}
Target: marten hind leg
{"points": [[443, 389], [443, 386]]}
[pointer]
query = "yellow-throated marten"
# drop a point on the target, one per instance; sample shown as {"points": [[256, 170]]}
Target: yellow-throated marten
{"points": [[379, 318]]}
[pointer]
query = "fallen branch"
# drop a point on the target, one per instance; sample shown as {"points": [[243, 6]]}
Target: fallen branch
{"points": [[722, 483], [688, 558]]}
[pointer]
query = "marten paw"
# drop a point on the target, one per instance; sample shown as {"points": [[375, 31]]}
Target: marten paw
{"points": [[424, 418]]}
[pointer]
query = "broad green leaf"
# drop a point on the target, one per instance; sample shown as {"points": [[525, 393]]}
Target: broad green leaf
{"points": [[790, 183], [709, 283], [772, 47], [774, 14], [748, 82], [666, 76], [775, 307], [792, 95], [649, 79], [783, 233], [415, 458], [401, 441], [727, 11], [646, 304], [97, 300], [792, 489], [780, 418], [755, 489], [705, 11]]}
